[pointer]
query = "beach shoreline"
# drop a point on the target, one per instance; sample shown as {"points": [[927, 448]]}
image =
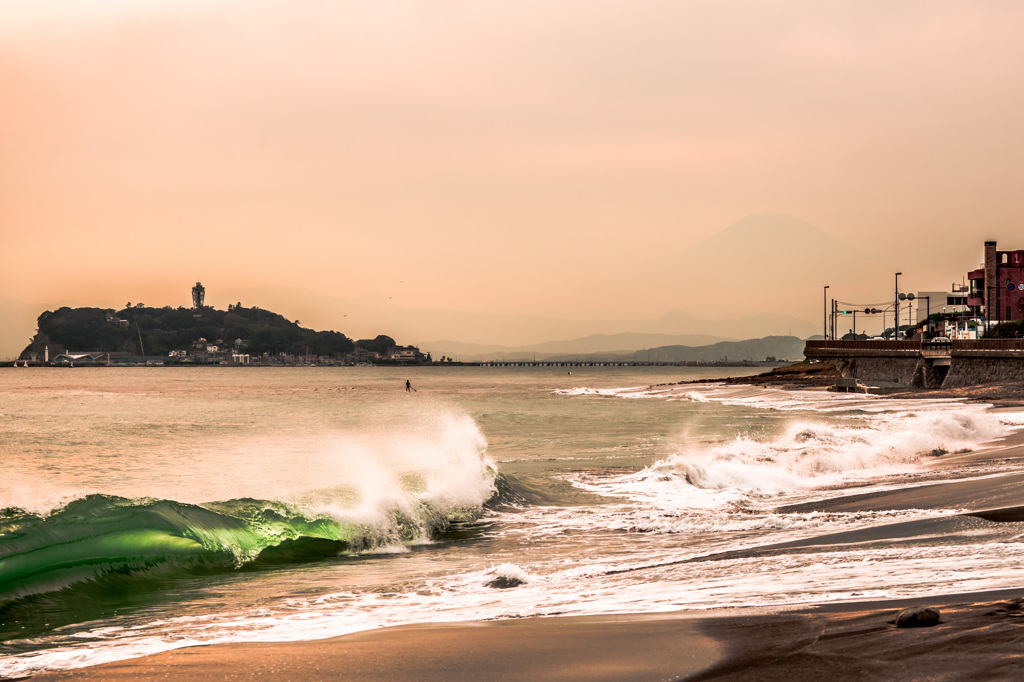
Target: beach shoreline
{"points": [[979, 635], [820, 376]]}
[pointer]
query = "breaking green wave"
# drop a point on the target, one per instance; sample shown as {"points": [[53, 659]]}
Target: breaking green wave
{"points": [[100, 537]]}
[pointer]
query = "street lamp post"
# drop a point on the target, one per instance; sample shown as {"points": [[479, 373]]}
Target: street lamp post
{"points": [[896, 309], [824, 312], [927, 311]]}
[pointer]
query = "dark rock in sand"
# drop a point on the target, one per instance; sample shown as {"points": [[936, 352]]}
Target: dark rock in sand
{"points": [[922, 617], [1013, 607], [503, 582]]}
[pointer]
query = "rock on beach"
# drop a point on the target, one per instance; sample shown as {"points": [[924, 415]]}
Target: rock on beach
{"points": [[918, 617]]}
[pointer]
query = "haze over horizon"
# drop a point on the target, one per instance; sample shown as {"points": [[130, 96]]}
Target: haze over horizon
{"points": [[568, 168]]}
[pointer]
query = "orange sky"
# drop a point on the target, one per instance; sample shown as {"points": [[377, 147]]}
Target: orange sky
{"points": [[512, 157]]}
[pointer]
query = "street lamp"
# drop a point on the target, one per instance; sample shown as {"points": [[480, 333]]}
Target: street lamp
{"points": [[824, 312], [896, 309], [927, 311]]}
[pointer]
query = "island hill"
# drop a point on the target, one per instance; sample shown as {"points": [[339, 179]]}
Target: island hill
{"points": [[203, 335], [198, 335]]}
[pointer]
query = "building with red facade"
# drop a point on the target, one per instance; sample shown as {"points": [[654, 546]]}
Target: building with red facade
{"points": [[997, 289]]}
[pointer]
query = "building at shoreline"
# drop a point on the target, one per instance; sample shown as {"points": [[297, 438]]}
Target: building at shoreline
{"points": [[945, 302], [410, 354], [997, 288]]}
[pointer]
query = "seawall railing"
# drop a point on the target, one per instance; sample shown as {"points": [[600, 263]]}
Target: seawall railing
{"points": [[865, 345], [837, 348], [989, 344]]}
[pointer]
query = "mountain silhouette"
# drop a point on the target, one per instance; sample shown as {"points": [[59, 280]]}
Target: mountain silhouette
{"points": [[770, 263]]}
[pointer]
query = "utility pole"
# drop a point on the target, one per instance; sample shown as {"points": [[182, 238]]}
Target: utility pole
{"points": [[833, 318], [824, 312]]}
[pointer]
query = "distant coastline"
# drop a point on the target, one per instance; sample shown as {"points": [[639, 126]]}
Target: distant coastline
{"points": [[580, 363], [138, 335]]}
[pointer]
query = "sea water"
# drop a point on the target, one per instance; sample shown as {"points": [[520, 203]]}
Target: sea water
{"points": [[145, 509]]}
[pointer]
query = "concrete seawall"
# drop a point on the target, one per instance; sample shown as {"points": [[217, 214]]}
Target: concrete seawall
{"points": [[875, 371], [911, 364], [970, 371]]}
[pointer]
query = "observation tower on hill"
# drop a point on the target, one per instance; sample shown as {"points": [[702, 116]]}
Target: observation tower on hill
{"points": [[198, 295]]}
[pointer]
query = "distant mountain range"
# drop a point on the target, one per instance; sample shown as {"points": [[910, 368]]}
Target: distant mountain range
{"points": [[373, 313], [772, 263], [779, 347], [625, 342], [761, 276]]}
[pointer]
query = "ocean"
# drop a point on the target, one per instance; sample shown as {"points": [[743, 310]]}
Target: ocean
{"points": [[146, 509]]}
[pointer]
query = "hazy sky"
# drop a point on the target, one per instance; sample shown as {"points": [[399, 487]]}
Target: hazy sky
{"points": [[513, 157]]}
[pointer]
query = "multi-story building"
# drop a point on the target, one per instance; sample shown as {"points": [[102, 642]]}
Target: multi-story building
{"points": [[997, 288], [931, 302], [405, 354]]}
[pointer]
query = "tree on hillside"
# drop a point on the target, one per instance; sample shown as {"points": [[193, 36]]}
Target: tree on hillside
{"points": [[380, 344]]}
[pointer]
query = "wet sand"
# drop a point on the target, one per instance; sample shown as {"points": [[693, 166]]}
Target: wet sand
{"points": [[634, 647], [979, 636]]}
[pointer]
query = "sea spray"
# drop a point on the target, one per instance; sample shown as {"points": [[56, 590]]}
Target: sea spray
{"points": [[420, 481], [806, 455]]}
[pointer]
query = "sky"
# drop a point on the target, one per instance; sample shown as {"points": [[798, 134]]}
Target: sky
{"points": [[511, 158]]}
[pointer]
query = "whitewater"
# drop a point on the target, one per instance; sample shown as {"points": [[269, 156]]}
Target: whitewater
{"points": [[148, 509]]}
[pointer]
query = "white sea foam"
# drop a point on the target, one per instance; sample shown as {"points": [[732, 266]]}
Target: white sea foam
{"points": [[509, 572], [769, 398], [807, 455], [390, 483], [578, 588], [720, 529], [419, 476], [609, 392]]}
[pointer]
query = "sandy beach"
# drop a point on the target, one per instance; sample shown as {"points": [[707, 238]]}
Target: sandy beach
{"points": [[980, 634], [979, 637]]}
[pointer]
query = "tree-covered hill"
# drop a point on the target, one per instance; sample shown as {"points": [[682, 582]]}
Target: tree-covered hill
{"points": [[165, 329]]}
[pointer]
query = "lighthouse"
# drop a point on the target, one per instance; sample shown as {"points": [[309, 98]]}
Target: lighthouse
{"points": [[198, 295]]}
